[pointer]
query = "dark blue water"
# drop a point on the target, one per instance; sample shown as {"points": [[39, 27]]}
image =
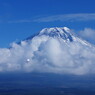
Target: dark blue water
{"points": [[46, 84]]}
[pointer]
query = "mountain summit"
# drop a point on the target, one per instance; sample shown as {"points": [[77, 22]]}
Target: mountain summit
{"points": [[58, 32]]}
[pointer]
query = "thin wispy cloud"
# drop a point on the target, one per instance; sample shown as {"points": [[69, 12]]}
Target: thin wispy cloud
{"points": [[62, 17], [20, 21], [67, 17]]}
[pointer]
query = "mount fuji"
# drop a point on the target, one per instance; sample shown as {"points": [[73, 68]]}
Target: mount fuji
{"points": [[52, 50]]}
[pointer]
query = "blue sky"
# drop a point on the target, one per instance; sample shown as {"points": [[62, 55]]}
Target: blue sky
{"points": [[22, 18]]}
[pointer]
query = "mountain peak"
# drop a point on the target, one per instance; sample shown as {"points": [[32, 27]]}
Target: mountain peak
{"points": [[63, 32], [55, 29]]}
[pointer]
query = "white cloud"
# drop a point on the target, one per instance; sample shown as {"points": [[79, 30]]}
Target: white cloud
{"points": [[67, 17], [88, 34], [47, 54]]}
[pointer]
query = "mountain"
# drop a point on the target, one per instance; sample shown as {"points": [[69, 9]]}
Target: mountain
{"points": [[60, 32], [52, 50]]}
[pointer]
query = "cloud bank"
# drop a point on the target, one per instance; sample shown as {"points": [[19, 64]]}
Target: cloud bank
{"points": [[47, 54]]}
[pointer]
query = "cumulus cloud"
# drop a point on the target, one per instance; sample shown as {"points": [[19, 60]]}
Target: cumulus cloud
{"points": [[48, 54], [88, 34]]}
